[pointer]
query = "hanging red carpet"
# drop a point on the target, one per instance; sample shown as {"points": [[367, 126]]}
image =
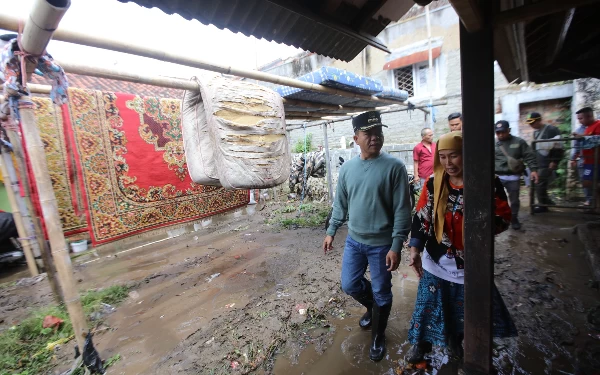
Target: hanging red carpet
{"points": [[132, 165], [60, 165]]}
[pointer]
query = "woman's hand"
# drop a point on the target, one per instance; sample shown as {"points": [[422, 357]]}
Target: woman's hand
{"points": [[415, 262]]}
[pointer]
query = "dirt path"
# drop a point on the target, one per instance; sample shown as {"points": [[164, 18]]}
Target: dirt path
{"points": [[229, 298]]}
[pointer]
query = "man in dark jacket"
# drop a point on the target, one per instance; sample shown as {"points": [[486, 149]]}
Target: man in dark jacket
{"points": [[514, 147], [548, 156]]}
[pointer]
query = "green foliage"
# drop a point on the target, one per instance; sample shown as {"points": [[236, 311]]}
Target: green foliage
{"points": [[299, 146], [92, 301], [306, 215], [112, 360], [559, 185], [23, 347]]}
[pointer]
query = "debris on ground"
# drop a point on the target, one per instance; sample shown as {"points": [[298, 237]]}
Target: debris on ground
{"points": [[52, 322], [91, 358]]}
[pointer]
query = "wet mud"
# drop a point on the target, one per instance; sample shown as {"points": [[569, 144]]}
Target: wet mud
{"points": [[238, 295]]}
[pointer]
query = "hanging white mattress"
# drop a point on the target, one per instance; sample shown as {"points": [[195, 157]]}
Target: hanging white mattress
{"points": [[197, 143], [246, 125]]}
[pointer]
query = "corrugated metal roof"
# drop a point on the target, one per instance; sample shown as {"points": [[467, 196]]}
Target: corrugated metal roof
{"points": [[273, 22]]}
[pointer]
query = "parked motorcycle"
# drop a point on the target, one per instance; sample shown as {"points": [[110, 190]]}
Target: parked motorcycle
{"points": [[10, 248]]}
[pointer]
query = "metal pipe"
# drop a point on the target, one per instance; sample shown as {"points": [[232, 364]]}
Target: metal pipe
{"points": [[430, 72], [327, 164]]}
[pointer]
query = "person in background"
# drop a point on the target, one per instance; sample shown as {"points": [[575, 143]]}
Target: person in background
{"points": [[423, 157], [585, 116], [592, 127], [437, 232], [507, 146], [373, 193], [455, 122], [548, 157]]}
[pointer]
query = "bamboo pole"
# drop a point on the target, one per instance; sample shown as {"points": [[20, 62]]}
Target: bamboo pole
{"points": [[15, 140], [60, 252], [12, 193], [176, 83], [8, 22]]}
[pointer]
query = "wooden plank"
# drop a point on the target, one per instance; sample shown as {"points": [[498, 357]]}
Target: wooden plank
{"points": [[477, 67], [535, 10], [559, 34], [469, 13]]}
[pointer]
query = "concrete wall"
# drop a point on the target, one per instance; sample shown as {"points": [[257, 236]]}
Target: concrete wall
{"points": [[586, 94], [404, 127], [513, 99]]}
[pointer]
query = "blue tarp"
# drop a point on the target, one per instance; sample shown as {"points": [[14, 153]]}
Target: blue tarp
{"points": [[342, 80]]}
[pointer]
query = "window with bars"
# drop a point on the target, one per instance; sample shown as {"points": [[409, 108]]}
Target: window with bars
{"points": [[404, 80]]}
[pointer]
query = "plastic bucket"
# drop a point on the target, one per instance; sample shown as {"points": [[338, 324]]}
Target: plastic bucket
{"points": [[79, 246]]}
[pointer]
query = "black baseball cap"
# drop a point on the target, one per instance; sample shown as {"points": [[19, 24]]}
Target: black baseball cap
{"points": [[501, 125], [533, 117], [367, 120]]}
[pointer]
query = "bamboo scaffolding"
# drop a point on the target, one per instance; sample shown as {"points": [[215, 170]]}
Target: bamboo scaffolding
{"points": [[174, 83], [60, 252], [43, 20], [8, 22], [12, 193], [44, 249]]}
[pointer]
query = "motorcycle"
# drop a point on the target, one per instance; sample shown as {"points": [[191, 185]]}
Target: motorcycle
{"points": [[414, 193], [10, 248]]}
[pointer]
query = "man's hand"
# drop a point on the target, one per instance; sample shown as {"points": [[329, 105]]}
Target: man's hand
{"points": [[552, 165], [534, 177], [392, 260], [328, 244], [573, 164], [415, 262], [416, 179]]}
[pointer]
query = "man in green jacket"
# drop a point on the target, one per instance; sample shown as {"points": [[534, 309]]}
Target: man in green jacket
{"points": [[373, 192], [514, 147]]}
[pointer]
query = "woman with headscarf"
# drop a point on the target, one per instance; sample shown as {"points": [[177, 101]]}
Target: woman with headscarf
{"points": [[437, 234]]}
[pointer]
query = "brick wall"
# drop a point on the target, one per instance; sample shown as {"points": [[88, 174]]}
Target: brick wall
{"points": [[554, 112]]}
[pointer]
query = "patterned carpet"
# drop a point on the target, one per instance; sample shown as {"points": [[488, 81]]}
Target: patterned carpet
{"points": [[60, 166], [131, 172]]}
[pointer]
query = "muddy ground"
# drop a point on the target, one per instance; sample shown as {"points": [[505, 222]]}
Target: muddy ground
{"points": [[238, 295]]}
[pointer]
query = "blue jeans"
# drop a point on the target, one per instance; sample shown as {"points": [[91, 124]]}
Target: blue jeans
{"points": [[354, 265]]}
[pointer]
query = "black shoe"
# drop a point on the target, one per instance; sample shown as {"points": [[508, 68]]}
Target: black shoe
{"points": [[417, 352], [366, 299], [540, 210], [380, 319], [514, 223]]}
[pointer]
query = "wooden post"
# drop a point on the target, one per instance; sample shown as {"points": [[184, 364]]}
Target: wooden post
{"points": [[26, 238], [15, 140], [60, 252], [477, 68], [328, 164]]}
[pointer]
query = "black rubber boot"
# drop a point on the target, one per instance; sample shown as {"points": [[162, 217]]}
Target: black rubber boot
{"points": [[514, 222], [417, 352], [366, 299], [456, 347], [380, 319]]}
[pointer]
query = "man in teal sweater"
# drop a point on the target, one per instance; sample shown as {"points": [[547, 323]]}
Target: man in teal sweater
{"points": [[373, 193]]}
